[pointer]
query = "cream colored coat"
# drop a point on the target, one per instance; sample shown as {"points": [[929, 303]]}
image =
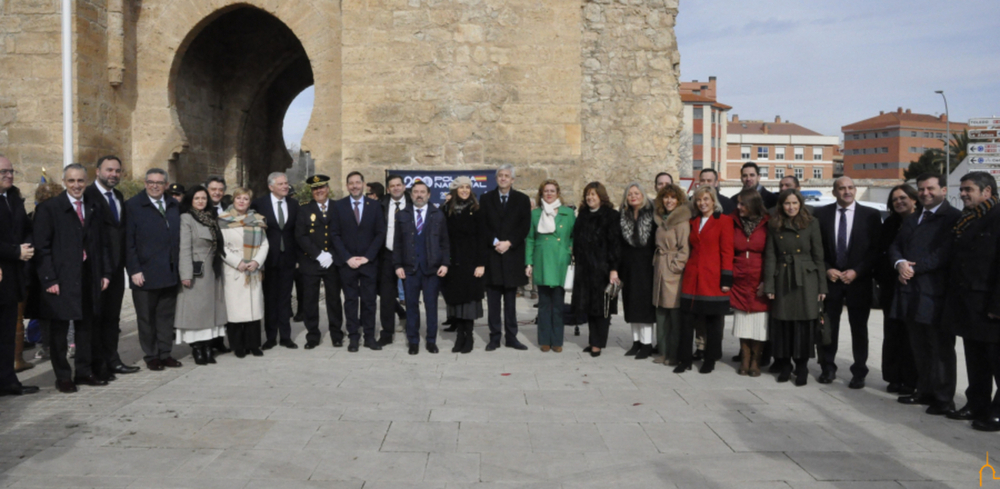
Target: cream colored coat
{"points": [[672, 251], [244, 301]]}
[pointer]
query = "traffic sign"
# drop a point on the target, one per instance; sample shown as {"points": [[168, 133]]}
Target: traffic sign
{"points": [[984, 160], [984, 148], [984, 134], [984, 122]]}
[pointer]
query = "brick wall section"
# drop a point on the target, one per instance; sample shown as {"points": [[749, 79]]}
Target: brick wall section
{"points": [[631, 105]]}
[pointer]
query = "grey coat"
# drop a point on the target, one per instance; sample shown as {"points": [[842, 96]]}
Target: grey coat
{"points": [[202, 306], [794, 272]]}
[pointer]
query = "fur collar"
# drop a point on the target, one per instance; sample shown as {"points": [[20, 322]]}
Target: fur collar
{"points": [[681, 214]]}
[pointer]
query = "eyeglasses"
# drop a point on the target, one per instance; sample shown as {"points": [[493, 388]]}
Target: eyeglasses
{"points": [[153, 182], [8, 172]]}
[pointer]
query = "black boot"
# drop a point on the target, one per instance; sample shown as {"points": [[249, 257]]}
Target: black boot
{"points": [[786, 371], [469, 338], [209, 353], [198, 354], [644, 352], [452, 324], [460, 338], [635, 349], [801, 371]]}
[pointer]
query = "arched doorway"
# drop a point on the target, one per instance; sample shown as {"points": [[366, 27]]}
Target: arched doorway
{"points": [[231, 88]]}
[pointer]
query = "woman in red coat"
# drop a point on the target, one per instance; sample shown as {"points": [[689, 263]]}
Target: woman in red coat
{"points": [[747, 297], [708, 277]]}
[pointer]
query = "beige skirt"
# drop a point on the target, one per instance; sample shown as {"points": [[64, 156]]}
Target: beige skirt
{"points": [[750, 325]]}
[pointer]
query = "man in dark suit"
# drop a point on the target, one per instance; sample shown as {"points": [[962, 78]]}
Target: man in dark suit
{"points": [[662, 180], [152, 255], [218, 202], [106, 328], [508, 219], [281, 212], [972, 304], [920, 255], [397, 200], [312, 234], [14, 252], [421, 256], [750, 176], [710, 177], [358, 236], [850, 234], [74, 266]]}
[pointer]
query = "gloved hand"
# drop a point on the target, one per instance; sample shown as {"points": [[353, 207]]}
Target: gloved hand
{"points": [[325, 259]]}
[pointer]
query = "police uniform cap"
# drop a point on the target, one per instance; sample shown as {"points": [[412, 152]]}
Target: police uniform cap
{"points": [[317, 181]]}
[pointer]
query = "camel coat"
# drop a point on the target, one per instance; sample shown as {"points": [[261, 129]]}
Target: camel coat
{"points": [[244, 299], [202, 306], [672, 251]]}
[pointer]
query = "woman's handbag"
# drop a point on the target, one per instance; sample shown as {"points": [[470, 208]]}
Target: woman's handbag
{"points": [[198, 269], [610, 297], [825, 336], [570, 273]]}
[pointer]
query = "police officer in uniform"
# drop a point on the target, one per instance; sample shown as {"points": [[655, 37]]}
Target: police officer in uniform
{"points": [[312, 233]]}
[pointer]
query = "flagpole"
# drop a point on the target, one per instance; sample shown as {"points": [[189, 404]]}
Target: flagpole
{"points": [[67, 80]]}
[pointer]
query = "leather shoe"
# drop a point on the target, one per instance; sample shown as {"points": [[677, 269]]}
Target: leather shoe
{"points": [[916, 399], [90, 380], [432, 348], [171, 362], [288, 344], [492, 346], [826, 377], [221, 348], [893, 387], [857, 383], [517, 345], [124, 369], [385, 341], [256, 352], [414, 349], [964, 414], [941, 408], [991, 423], [17, 390], [311, 344], [338, 343], [353, 347], [907, 390], [66, 386], [154, 364], [106, 376], [268, 345], [373, 345], [298, 317]]}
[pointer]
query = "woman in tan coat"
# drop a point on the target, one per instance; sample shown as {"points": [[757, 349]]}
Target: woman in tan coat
{"points": [[672, 250]]}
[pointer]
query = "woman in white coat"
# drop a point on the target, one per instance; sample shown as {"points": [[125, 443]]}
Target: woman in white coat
{"points": [[243, 232]]}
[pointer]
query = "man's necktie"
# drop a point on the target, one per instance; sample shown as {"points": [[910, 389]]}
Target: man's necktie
{"points": [[113, 205], [281, 223], [5, 207], [420, 221], [397, 206], [79, 213], [503, 202], [842, 240], [927, 215], [357, 213], [159, 204]]}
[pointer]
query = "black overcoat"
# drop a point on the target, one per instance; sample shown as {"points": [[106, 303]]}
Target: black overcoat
{"points": [[596, 251], [928, 245], [115, 229], [506, 223], [14, 230], [974, 281], [468, 244]]}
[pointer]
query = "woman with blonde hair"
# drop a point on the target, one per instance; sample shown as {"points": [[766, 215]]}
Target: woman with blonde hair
{"points": [[245, 242], [672, 250], [463, 287], [638, 247], [547, 256]]}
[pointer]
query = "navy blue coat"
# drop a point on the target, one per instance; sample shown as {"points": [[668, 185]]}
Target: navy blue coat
{"points": [[435, 236], [351, 238], [13, 232], [973, 286], [262, 206], [152, 242], [928, 245], [115, 229]]}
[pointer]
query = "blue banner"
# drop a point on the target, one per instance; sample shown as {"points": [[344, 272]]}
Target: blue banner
{"points": [[439, 180]]}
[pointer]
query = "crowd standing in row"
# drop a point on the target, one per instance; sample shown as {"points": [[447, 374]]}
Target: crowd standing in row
{"points": [[209, 266]]}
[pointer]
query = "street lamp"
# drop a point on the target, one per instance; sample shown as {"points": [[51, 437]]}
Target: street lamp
{"points": [[947, 148]]}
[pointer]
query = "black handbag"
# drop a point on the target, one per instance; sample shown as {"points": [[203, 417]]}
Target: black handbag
{"points": [[198, 270], [825, 333]]}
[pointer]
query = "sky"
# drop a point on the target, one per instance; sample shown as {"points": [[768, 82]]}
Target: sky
{"points": [[824, 64]]}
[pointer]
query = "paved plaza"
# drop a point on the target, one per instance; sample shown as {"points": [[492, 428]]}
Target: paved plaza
{"points": [[328, 418]]}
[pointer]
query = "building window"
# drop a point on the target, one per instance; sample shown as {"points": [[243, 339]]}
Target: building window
{"points": [[745, 153], [698, 164], [855, 136], [699, 113], [914, 149], [762, 152], [779, 172], [913, 134], [885, 134], [779, 153], [800, 153], [763, 172], [817, 173], [885, 165], [875, 135], [800, 173], [698, 140], [817, 154], [885, 150], [713, 117]]}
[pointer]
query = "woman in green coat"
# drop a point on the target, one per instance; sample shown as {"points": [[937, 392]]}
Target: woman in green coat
{"points": [[547, 254], [795, 283]]}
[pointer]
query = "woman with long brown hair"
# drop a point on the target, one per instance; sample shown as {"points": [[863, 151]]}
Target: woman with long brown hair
{"points": [[596, 251], [463, 288], [672, 251], [747, 297]]}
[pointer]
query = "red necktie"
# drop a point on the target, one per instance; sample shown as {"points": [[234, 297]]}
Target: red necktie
{"points": [[79, 213]]}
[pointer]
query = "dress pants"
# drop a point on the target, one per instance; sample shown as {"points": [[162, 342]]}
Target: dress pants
{"points": [[551, 330], [599, 326], [857, 316], [494, 294], [330, 279], [668, 331], [8, 328], [106, 327], [982, 362], [713, 336], [243, 336], [388, 294], [300, 296], [278, 282], [428, 284], [359, 300], [82, 335], [154, 314], [936, 373]]}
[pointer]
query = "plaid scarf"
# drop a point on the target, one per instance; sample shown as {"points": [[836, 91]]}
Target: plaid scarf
{"points": [[254, 227], [970, 215]]}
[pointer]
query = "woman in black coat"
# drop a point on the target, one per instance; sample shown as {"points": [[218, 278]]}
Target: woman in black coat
{"points": [[463, 287], [635, 268], [596, 251], [898, 367]]}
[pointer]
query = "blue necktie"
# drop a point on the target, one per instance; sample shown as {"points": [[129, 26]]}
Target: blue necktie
{"points": [[842, 240], [114, 206], [420, 221]]}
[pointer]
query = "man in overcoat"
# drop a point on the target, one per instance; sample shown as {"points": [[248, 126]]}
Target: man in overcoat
{"points": [[313, 235], [280, 211]]}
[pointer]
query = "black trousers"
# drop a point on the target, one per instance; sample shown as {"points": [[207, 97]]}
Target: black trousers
{"points": [[278, 282], [154, 314], [300, 296], [330, 279], [83, 332], [599, 326], [494, 295], [388, 295], [934, 345], [897, 352], [106, 328], [243, 336], [857, 316], [8, 329], [359, 300], [982, 362], [713, 336]]}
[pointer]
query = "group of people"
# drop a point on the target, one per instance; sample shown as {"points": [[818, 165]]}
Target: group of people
{"points": [[212, 265]]}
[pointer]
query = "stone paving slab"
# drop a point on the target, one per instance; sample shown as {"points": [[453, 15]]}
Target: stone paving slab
{"points": [[327, 418]]}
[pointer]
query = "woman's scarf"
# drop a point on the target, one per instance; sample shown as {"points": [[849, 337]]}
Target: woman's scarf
{"points": [[547, 221], [205, 218], [637, 234], [254, 227], [749, 225], [970, 215]]}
